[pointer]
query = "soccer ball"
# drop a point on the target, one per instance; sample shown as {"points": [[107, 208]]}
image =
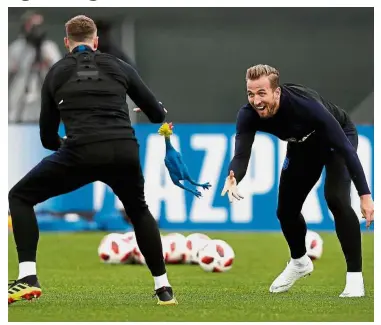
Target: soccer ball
{"points": [[216, 256], [314, 245], [174, 248], [129, 236], [138, 256], [194, 243], [113, 249]]}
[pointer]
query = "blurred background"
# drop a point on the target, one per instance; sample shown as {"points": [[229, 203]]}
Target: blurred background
{"points": [[195, 60]]}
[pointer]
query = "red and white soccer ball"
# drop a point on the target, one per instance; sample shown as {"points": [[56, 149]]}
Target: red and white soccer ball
{"points": [[314, 245], [216, 256], [194, 243], [114, 249], [138, 256], [129, 236], [174, 249]]}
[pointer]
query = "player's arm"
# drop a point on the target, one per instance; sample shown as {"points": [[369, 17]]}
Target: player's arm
{"points": [[245, 133], [142, 96], [328, 127], [49, 117]]}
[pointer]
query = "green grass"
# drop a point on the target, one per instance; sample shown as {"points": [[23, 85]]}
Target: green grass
{"points": [[77, 287]]}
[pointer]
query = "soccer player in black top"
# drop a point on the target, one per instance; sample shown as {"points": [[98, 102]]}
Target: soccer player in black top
{"points": [[87, 90], [319, 134]]}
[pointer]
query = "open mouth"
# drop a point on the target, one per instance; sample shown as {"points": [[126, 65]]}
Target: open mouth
{"points": [[260, 108]]}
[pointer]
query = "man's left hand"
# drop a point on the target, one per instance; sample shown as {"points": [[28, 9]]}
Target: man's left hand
{"points": [[367, 209]]}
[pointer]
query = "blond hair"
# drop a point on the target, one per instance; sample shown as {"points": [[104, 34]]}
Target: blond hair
{"points": [[80, 29], [260, 70]]}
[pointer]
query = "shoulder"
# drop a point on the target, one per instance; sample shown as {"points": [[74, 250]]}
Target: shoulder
{"points": [[109, 58], [302, 97], [64, 62], [126, 66], [114, 62], [61, 67], [105, 56], [247, 118], [300, 93], [308, 104]]}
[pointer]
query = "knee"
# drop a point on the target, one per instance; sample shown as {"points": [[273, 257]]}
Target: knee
{"points": [[133, 202], [12, 194], [336, 200], [134, 212], [15, 194], [12, 198], [281, 214], [288, 214]]}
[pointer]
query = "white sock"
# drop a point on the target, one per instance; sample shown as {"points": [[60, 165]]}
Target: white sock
{"points": [[27, 268], [304, 260], [354, 278], [161, 281]]}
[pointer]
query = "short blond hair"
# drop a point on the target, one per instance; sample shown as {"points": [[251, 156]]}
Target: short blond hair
{"points": [[80, 29], [260, 70]]}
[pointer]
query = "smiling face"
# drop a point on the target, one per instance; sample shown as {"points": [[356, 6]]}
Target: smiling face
{"points": [[263, 91]]}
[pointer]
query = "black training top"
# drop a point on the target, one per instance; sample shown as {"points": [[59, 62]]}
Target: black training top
{"points": [[302, 112], [87, 90]]}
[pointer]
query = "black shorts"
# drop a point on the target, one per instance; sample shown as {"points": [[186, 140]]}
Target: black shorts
{"points": [[114, 162]]}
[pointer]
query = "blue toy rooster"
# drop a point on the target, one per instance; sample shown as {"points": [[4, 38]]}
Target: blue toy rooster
{"points": [[178, 171]]}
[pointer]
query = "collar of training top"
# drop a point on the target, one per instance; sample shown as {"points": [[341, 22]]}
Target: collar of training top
{"points": [[82, 48]]}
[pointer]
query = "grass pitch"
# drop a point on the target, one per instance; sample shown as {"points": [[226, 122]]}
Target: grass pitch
{"points": [[77, 287]]}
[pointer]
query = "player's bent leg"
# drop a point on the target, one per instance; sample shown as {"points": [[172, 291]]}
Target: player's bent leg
{"points": [[46, 180], [130, 190], [299, 175], [337, 194], [149, 241]]}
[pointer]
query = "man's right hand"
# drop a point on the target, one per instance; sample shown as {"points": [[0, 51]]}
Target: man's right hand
{"points": [[231, 188]]}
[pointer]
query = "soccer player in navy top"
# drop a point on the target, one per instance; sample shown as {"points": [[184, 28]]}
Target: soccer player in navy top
{"points": [[87, 91], [319, 134]]}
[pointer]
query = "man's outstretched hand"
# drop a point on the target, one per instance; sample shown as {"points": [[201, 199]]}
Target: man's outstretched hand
{"points": [[231, 188]]}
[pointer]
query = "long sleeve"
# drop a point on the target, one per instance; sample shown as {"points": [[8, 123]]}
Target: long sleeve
{"points": [[328, 127], [245, 133], [142, 95], [49, 117]]}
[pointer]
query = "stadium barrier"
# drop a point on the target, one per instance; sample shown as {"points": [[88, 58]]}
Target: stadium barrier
{"points": [[207, 150]]}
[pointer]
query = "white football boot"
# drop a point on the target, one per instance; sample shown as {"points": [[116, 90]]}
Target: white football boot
{"points": [[354, 286], [293, 272]]}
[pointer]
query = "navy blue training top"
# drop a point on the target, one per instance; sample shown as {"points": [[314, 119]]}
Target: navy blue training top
{"points": [[87, 90], [302, 112]]}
